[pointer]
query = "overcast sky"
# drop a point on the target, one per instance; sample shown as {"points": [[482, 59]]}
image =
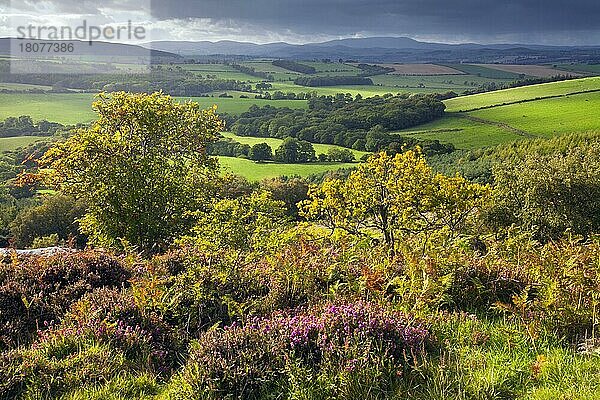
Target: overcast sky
{"points": [[301, 21]]}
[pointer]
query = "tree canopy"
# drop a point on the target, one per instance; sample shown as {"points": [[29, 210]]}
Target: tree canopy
{"points": [[141, 168]]}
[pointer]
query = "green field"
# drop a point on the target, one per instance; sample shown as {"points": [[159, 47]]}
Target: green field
{"points": [[68, 108], [591, 69], [485, 72], [462, 133], [275, 143], [222, 71], [503, 123], [569, 114], [466, 103], [22, 86], [256, 171], [13, 143], [74, 108]]}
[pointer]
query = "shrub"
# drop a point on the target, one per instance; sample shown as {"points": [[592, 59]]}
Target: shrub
{"points": [[34, 289], [56, 215], [252, 360]]}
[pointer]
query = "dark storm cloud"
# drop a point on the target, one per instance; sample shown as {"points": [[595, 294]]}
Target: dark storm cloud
{"points": [[345, 17]]}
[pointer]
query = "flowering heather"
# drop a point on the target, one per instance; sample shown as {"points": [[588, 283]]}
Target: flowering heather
{"points": [[350, 338], [334, 327]]}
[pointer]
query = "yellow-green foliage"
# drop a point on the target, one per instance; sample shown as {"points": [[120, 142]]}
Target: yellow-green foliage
{"points": [[395, 196], [140, 167]]}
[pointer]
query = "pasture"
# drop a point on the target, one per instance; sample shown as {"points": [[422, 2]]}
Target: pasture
{"points": [[568, 113], [22, 87], [13, 143], [275, 143], [462, 133], [484, 72], [587, 69], [421, 69], [73, 108], [254, 171], [467, 103], [549, 117], [539, 71]]}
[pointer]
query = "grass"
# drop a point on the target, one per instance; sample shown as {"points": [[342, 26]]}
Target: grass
{"points": [[13, 143], [462, 133], [542, 118], [275, 143], [256, 171], [238, 106], [363, 90], [591, 69], [73, 108], [466, 103], [484, 72], [549, 117], [68, 108], [22, 86]]}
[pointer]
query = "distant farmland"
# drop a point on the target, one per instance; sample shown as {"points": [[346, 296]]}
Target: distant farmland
{"points": [[466, 103], [254, 171], [540, 71], [421, 69], [73, 108], [13, 143]]}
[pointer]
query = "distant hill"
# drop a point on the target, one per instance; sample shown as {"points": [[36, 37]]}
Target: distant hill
{"points": [[103, 49], [386, 49]]}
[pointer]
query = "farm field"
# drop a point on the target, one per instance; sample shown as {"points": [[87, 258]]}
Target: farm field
{"points": [[476, 101], [484, 72], [540, 71], [275, 143], [421, 69], [434, 83], [22, 86], [238, 106], [13, 143], [222, 71], [537, 118], [462, 133], [73, 108], [591, 69], [256, 171], [569, 114]]}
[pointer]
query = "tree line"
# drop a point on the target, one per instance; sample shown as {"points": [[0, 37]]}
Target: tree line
{"points": [[295, 66], [357, 123], [24, 126], [316, 81]]}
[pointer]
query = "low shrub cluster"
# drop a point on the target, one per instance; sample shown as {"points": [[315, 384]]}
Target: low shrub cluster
{"points": [[34, 290], [352, 341]]}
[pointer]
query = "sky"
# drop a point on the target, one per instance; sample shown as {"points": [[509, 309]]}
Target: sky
{"points": [[555, 22]]}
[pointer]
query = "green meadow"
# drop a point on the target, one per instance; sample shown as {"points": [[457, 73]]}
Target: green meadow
{"points": [[275, 143], [254, 171], [462, 133], [13, 143], [534, 116], [569, 114], [467, 103], [73, 108]]}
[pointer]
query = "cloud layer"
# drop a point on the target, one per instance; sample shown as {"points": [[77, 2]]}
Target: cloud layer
{"points": [[298, 21]]}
